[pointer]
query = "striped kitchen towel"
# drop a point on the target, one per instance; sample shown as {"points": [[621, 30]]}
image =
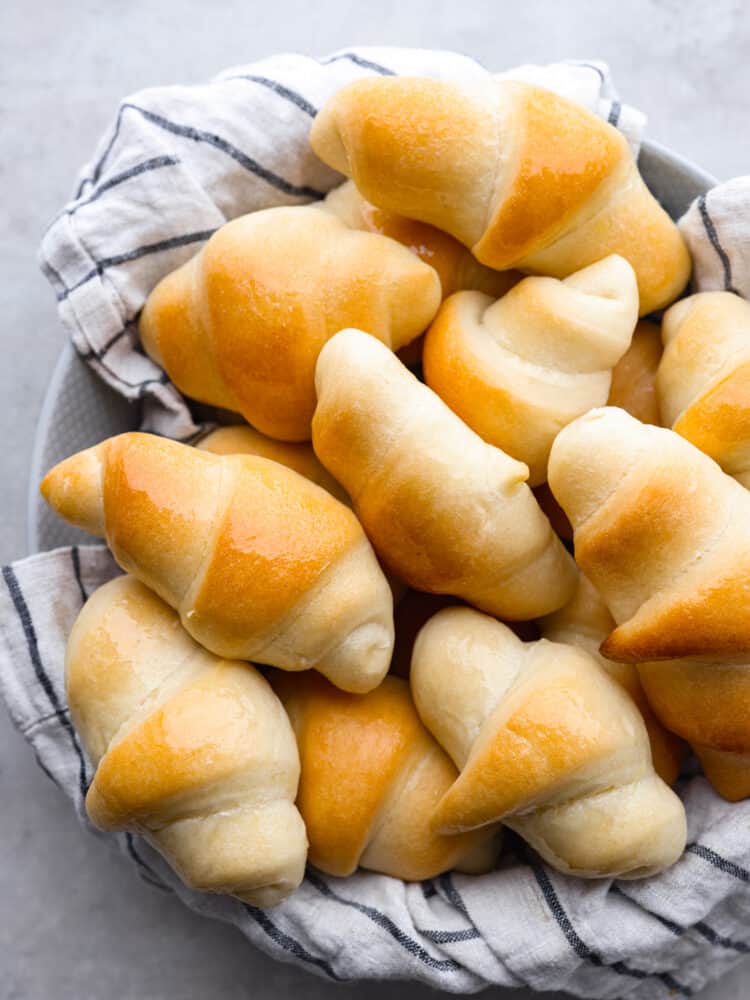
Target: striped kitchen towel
{"points": [[176, 163]]}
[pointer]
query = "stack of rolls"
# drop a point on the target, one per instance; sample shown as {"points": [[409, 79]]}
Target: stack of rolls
{"points": [[475, 558]]}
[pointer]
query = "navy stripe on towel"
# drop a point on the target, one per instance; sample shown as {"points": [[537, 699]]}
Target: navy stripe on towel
{"points": [[723, 865], [155, 163], [76, 560], [359, 61], [24, 615], [448, 937], [171, 243], [713, 237], [278, 88], [289, 944], [407, 943], [200, 135], [679, 930], [146, 872], [212, 139], [581, 948], [614, 113]]}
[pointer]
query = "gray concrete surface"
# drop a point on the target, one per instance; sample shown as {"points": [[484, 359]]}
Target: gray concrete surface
{"points": [[74, 923]]}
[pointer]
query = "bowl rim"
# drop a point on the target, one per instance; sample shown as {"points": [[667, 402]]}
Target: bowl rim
{"points": [[68, 358]]}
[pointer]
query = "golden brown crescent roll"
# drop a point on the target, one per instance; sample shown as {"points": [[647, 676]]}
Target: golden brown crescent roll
{"points": [[708, 703], [456, 266], [522, 176], [661, 532], [704, 377], [546, 742], [260, 563], [244, 440], [193, 752], [371, 776], [634, 376], [518, 369], [586, 622], [445, 511], [241, 324]]}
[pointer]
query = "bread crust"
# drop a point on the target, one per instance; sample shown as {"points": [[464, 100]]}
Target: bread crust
{"points": [[193, 752], [260, 563], [522, 176]]}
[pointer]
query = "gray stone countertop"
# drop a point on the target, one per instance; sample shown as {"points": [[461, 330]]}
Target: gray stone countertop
{"points": [[74, 923]]}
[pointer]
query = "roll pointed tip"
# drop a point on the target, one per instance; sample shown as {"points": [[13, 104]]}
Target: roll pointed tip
{"points": [[361, 661], [326, 138], [72, 488]]}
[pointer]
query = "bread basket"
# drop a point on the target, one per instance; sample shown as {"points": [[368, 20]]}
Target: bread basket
{"points": [[522, 925]]}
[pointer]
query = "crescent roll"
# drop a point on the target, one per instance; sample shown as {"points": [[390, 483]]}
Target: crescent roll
{"points": [[244, 440], [371, 776], [634, 376], [547, 743], [241, 324], [518, 369], [260, 563], [704, 377], [522, 176], [193, 752], [661, 532], [445, 511], [585, 622]]}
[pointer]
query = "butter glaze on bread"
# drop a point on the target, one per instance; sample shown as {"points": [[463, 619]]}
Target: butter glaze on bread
{"points": [[661, 532], [522, 176], [634, 376], [707, 701], [547, 743], [665, 536], [193, 752], [445, 511], [299, 456], [371, 776], [518, 369], [241, 324], [585, 622], [704, 377], [260, 563]]}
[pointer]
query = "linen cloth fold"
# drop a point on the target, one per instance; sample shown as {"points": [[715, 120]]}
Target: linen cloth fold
{"points": [[176, 163]]}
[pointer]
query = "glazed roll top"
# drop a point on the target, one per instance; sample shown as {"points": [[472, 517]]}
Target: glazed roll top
{"points": [[260, 563], [546, 742], [519, 369], [447, 512], [242, 323], [586, 622], [661, 532], [193, 752], [523, 177], [633, 385], [704, 377], [371, 777]]}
